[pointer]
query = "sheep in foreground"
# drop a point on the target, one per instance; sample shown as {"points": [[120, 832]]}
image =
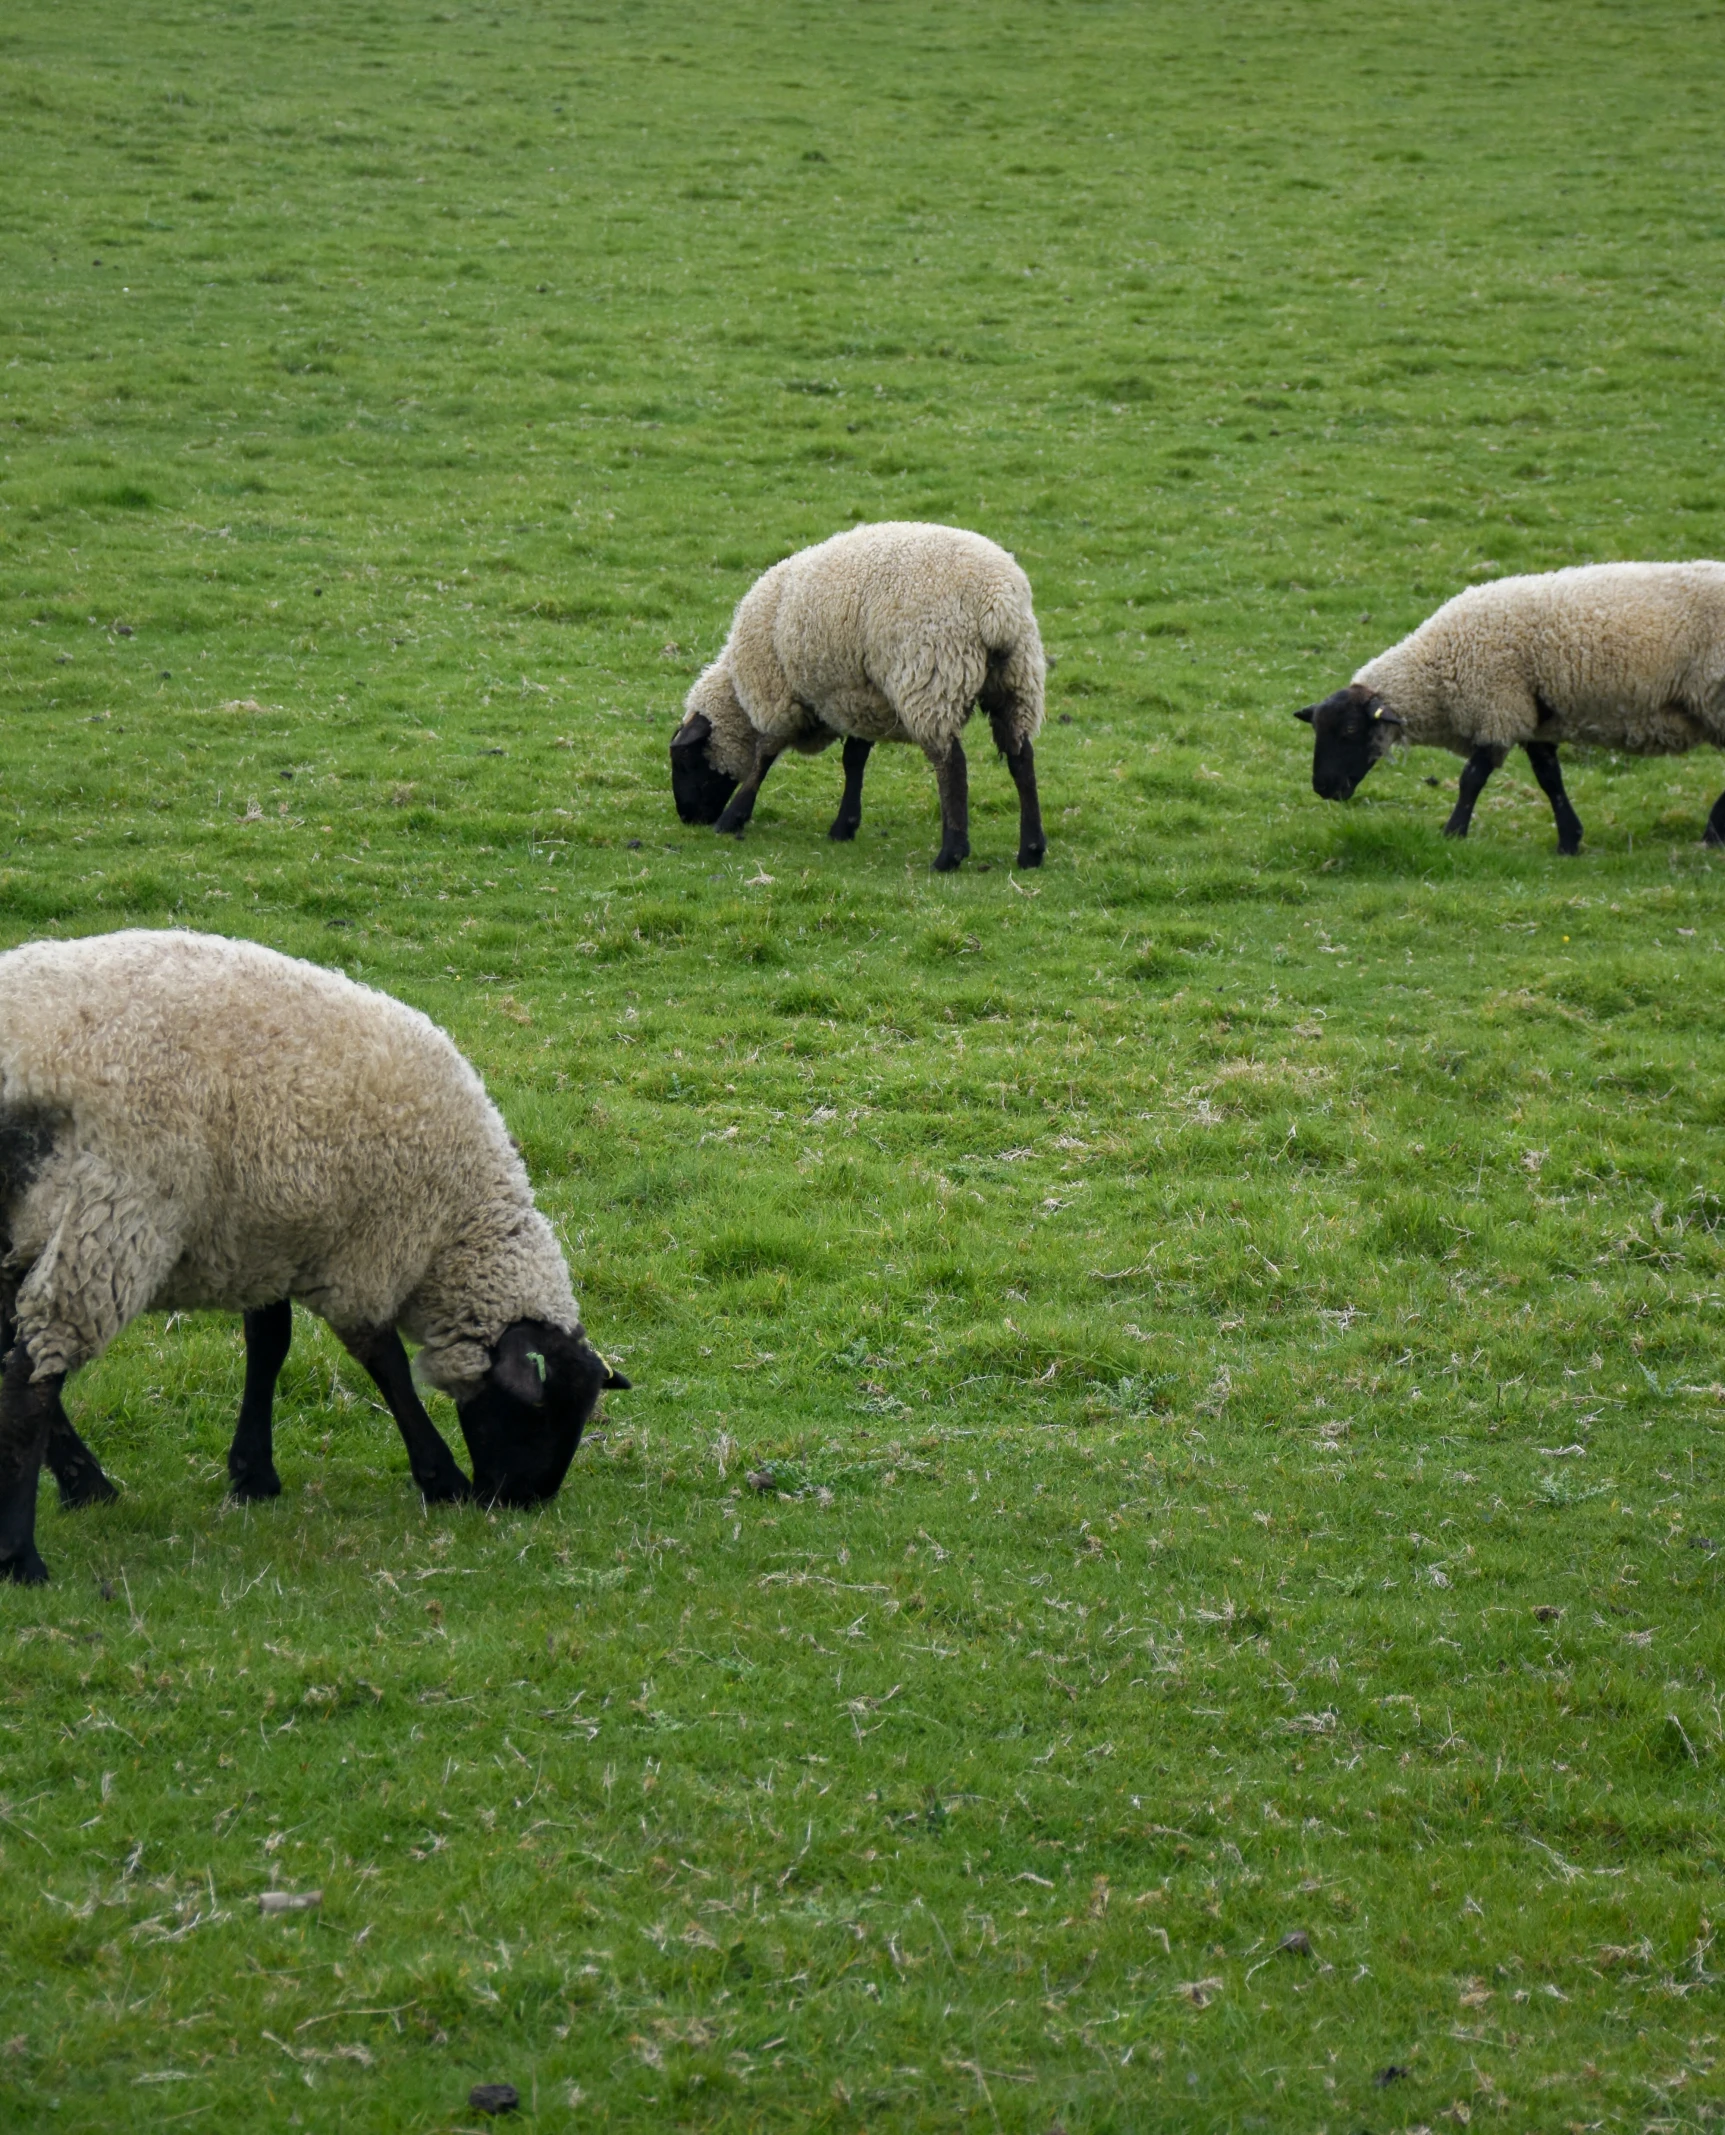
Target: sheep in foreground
{"points": [[1626, 656], [892, 632], [190, 1121]]}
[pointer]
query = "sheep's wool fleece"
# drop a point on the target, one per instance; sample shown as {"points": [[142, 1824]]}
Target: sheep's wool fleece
{"points": [[225, 1126], [884, 633], [1625, 655]]}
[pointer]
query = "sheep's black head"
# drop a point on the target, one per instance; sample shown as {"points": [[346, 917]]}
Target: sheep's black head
{"points": [[524, 1420], [1350, 731], [698, 786]]}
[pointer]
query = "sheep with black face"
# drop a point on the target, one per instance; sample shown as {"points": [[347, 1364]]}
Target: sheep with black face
{"points": [[187, 1121], [1627, 656], [891, 632]]}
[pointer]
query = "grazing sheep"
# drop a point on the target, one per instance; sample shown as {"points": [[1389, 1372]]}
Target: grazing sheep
{"points": [[891, 632], [190, 1121], [1626, 656]]}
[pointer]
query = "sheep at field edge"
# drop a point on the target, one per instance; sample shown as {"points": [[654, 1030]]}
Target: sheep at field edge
{"points": [[189, 1121], [1626, 656], [890, 632]]}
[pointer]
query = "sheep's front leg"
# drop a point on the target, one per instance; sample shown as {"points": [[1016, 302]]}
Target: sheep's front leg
{"points": [[1543, 757], [251, 1457], [741, 804], [849, 818], [953, 778], [1478, 768], [1714, 834], [1021, 762], [379, 1350], [26, 1411], [76, 1469]]}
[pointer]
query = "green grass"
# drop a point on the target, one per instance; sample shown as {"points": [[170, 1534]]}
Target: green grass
{"points": [[1231, 1324]]}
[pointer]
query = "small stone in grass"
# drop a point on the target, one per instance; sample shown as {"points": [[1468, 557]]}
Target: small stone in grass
{"points": [[494, 2097], [1296, 1944], [1547, 1612], [289, 1901], [1386, 2076], [761, 1480]]}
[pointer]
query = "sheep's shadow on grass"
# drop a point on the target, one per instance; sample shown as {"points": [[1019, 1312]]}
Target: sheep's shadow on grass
{"points": [[1387, 847]]}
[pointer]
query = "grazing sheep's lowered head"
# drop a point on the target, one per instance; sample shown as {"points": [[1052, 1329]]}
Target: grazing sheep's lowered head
{"points": [[1350, 731], [712, 749], [524, 1419]]}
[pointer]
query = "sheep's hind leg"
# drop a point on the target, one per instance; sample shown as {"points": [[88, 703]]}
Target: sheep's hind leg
{"points": [[849, 818], [26, 1412], [1543, 757], [76, 1469], [1021, 762], [741, 804], [1474, 773], [251, 1457], [952, 775], [1714, 834], [379, 1350]]}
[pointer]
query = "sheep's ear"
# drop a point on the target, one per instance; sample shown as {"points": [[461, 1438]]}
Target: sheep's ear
{"points": [[693, 731], [1384, 713], [1308, 714], [519, 1366], [615, 1383]]}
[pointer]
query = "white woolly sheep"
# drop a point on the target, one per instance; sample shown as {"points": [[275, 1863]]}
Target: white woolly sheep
{"points": [[892, 632], [1625, 656], [189, 1121]]}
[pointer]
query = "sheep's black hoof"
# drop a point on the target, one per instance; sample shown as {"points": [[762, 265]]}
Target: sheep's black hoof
{"points": [[444, 1491], [77, 1491], [1031, 855], [843, 830], [1570, 850], [25, 1569], [252, 1488], [945, 862], [1710, 836]]}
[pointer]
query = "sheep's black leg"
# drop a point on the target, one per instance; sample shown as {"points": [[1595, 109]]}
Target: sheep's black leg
{"points": [[1543, 757], [25, 1413], [849, 817], [1478, 768], [379, 1350], [1714, 834], [251, 1457], [953, 778], [1021, 762], [741, 804], [76, 1469]]}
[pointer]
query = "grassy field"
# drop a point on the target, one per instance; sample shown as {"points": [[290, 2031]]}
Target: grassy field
{"points": [[1177, 1399]]}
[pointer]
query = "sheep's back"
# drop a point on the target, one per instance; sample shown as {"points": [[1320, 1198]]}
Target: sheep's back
{"points": [[885, 619], [293, 1120], [1629, 656]]}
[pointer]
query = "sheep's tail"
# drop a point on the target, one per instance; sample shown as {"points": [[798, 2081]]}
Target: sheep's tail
{"points": [[1012, 695]]}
